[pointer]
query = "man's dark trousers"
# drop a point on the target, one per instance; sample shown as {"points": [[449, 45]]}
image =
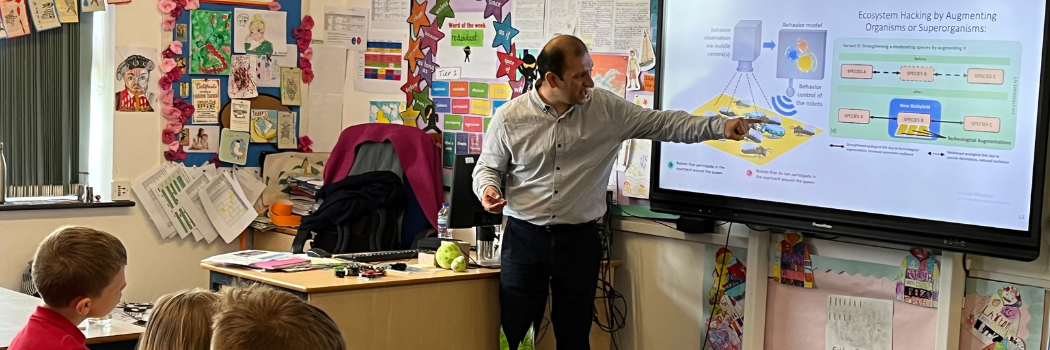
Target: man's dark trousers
{"points": [[563, 258]]}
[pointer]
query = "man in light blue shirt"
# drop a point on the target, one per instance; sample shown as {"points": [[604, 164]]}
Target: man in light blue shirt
{"points": [[557, 145]]}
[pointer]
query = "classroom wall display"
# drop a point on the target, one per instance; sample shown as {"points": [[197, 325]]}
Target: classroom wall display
{"points": [[92, 5], [16, 17], [43, 14], [138, 79], [242, 78], [206, 94], [287, 125], [388, 112], [791, 264], [264, 126], [267, 69], [260, 32], [919, 278], [724, 310], [291, 86], [68, 11], [210, 40], [199, 139], [797, 318], [1001, 316], [233, 147]]}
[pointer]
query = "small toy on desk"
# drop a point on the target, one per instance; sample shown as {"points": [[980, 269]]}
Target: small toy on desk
{"points": [[447, 253], [339, 272], [459, 264]]}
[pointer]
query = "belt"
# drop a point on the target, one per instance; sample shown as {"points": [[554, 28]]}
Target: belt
{"points": [[557, 226]]}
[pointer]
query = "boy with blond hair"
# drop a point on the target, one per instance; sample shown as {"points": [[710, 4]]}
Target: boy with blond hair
{"points": [[262, 318], [79, 272]]}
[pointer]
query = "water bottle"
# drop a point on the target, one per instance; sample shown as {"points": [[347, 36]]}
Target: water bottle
{"points": [[443, 231], [3, 175]]}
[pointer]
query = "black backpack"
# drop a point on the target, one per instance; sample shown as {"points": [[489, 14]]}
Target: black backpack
{"points": [[376, 231]]}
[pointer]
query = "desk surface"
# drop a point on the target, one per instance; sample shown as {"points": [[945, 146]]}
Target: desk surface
{"points": [[17, 308], [321, 281]]}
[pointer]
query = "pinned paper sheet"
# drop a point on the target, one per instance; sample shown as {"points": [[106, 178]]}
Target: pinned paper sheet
{"points": [[260, 32], [206, 101], [151, 200], [233, 146], [791, 263], [43, 14], [380, 67], [191, 203], [291, 86], [227, 207], [638, 165], [199, 139], [267, 69], [240, 115], [16, 17], [919, 279], [250, 183], [287, 127], [241, 82], [346, 27], [857, 323]]}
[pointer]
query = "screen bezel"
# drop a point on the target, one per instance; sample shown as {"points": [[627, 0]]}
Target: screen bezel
{"points": [[692, 203]]}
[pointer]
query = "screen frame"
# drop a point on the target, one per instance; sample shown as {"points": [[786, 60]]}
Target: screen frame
{"points": [[861, 224]]}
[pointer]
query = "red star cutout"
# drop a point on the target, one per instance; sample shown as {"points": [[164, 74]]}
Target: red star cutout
{"points": [[507, 64], [410, 86], [418, 18], [412, 54]]}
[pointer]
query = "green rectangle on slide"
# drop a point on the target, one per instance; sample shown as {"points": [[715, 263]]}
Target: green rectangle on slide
{"points": [[453, 122], [924, 59], [485, 125], [468, 37], [912, 92], [479, 90]]}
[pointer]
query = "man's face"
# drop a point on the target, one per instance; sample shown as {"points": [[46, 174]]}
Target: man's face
{"points": [[136, 81], [576, 83], [110, 297]]}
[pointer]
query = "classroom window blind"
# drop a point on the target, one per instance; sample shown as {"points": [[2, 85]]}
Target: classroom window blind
{"points": [[40, 111]]}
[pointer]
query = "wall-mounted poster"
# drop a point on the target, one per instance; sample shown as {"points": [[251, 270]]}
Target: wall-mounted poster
{"points": [[260, 32], [210, 40], [138, 82]]}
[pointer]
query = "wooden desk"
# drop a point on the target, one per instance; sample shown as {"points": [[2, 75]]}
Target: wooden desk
{"points": [[399, 311], [17, 308]]}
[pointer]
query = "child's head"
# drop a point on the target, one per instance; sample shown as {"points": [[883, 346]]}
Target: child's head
{"points": [[81, 270], [258, 317], [181, 321]]}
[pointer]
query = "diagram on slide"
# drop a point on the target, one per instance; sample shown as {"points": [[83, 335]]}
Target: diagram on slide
{"points": [[943, 92], [778, 133]]}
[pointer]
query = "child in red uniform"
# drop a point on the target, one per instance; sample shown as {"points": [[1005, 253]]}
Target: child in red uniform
{"points": [[79, 273]]}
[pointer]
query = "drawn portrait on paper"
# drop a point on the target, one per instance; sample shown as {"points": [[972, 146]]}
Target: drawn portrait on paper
{"points": [[260, 32], [137, 84]]}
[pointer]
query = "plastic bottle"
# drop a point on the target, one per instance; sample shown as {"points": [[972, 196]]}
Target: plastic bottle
{"points": [[442, 228]]}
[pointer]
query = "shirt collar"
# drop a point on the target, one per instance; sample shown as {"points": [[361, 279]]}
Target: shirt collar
{"points": [[61, 322], [534, 95]]}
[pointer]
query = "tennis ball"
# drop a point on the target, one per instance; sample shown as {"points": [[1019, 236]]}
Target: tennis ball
{"points": [[446, 253]]}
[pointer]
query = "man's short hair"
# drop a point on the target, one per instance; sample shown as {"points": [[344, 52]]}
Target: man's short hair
{"points": [[75, 262], [556, 53], [259, 317]]}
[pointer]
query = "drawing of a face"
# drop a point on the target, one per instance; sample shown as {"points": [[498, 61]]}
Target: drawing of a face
{"points": [[242, 20], [1010, 296], [136, 81]]}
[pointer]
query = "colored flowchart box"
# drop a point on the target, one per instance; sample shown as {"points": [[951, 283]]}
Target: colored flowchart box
{"points": [[500, 91], [459, 89], [453, 122], [479, 90], [481, 107], [439, 88], [472, 124], [461, 106], [442, 105]]}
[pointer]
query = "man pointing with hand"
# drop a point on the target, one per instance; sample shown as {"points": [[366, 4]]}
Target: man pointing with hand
{"points": [[557, 145]]}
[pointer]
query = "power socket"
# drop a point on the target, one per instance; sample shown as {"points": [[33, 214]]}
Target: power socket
{"points": [[121, 190]]}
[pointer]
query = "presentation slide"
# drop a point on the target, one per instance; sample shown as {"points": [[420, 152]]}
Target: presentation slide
{"points": [[919, 109]]}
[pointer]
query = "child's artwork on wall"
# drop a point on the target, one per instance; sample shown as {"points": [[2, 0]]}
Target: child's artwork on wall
{"points": [[44, 15], [260, 32], [919, 279], [240, 115], [725, 300], [286, 130], [16, 17], [386, 112], [182, 32], [610, 72], [264, 126], [138, 81], [210, 38], [241, 83], [1001, 316], [200, 139], [3, 31], [233, 147], [267, 69], [791, 263], [68, 11], [291, 86], [92, 5]]}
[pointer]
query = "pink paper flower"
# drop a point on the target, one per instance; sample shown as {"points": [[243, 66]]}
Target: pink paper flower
{"points": [[304, 144], [166, 97], [308, 22], [308, 53], [181, 3], [168, 24], [175, 75], [176, 47], [171, 113], [274, 6], [166, 6], [167, 64], [304, 63], [214, 160], [193, 4], [177, 12], [174, 126], [175, 156], [308, 75], [186, 108], [167, 53], [165, 83], [302, 44], [167, 137]]}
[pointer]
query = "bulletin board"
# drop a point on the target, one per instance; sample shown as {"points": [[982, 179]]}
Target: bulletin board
{"points": [[293, 14], [796, 317], [465, 58]]}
